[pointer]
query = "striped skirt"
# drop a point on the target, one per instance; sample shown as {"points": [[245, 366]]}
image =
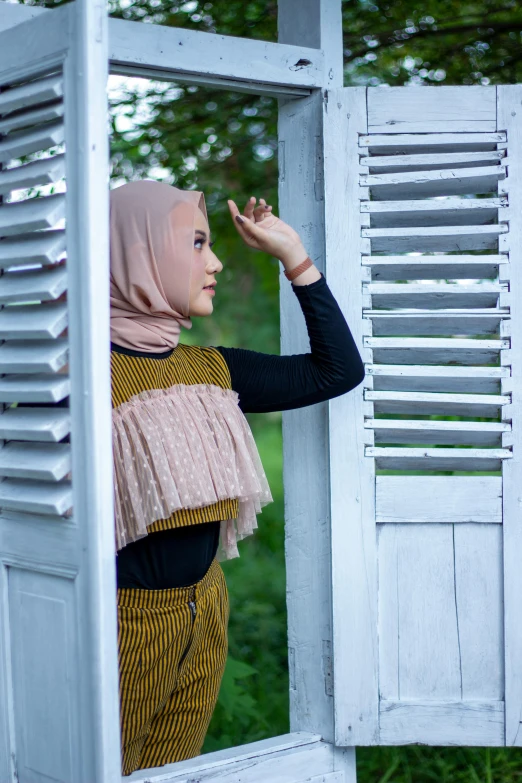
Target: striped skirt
{"points": [[172, 653]]}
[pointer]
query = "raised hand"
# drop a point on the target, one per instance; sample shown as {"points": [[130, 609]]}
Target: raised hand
{"points": [[261, 229]]}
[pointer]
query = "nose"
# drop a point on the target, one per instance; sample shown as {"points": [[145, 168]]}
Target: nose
{"points": [[214, 264]]}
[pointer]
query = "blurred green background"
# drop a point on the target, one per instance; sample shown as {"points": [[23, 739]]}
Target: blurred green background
{"points": [[225, 144]]}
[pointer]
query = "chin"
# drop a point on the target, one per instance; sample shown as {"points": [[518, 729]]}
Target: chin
{"points": [[200, 311]]}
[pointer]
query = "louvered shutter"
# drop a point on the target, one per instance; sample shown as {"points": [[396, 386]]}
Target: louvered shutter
{"points": [[58, 665], [423, 211]]}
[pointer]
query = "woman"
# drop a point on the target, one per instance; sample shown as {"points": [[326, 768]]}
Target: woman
{"points": [[187, 471]]}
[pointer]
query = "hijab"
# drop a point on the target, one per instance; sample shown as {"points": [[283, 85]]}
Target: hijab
{"points": [[151, 257]]}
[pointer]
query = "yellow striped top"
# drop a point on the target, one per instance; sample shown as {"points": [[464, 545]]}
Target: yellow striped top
{"points": [[187, 364]]}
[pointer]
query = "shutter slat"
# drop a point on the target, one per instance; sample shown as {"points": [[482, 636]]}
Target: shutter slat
{"points": [[33, 356], [35, 388], [43, 462], [36, 497], [32, 322], [426, 378], [433, 177], [443, 182], [402, 143], [438, 459], [31, 215], [434, 238], [47, 247], [420, 162], [439, 295], [446, 212], [31, 94], [435, 322], [43, 285], [35, 424], [470, 433], [26, 142], [52, 111], [402, 353], [452, 267], [39, 172], [437, 404]]}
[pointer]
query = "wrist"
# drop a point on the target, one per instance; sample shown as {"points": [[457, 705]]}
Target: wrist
{"points": [[293, 257]]}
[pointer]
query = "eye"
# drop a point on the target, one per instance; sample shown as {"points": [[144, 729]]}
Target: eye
{"points": [[198, 242]]}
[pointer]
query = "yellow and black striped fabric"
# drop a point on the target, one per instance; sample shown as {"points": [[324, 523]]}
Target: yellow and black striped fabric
{"points": [[188, 364], [173, 649]]}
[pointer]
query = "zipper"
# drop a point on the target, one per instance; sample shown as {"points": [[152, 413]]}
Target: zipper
{"points": [[192, 607]]}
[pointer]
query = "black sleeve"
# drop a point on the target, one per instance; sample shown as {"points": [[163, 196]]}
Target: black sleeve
{"points": [[267, 382]]}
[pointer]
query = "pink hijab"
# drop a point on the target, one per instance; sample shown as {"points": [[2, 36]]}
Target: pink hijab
{"points": [[152, 246]]}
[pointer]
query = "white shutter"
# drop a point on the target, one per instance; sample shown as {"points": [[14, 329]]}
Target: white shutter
{"points": [[58, 665], [423, 205]]}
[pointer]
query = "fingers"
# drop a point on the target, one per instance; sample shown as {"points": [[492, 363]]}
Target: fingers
{"points": [[253, 213], [248, 211]]}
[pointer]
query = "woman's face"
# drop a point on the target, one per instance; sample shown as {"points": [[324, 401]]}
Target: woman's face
{"points": [[206, 265]]}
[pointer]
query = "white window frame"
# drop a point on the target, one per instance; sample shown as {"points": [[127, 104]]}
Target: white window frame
{"points": [[298, 70]]}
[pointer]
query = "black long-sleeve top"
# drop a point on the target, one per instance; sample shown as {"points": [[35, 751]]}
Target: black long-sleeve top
{"points": [[264, 382]]}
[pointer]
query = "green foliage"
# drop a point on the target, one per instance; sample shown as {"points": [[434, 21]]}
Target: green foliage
{"points": [[435, 42]]}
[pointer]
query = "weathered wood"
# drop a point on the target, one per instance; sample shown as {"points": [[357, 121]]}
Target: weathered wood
{"points": [[402, 143], [30, 322], [435, 295], [437, 404], [39, 172], [171, 53], [33, 356], [433, 350], [440, 238], [39, 461], [351, 476], [305, 456], [25, 142], [42, 285], [31, 94], [451, 211], [34, 388], [431, 267], [423, 458], [31, 215], [41, 424], [292, 758], [402, 499], [46, 113], [479, 598], [44, 248], [445, 321], [178, 54], [509, 119], [420, 162], [415, 110], [36, 497], [416, 588], [475, 723], [471, 433], [319, 24], [473, 380], [445, 182], [85, 77]]}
